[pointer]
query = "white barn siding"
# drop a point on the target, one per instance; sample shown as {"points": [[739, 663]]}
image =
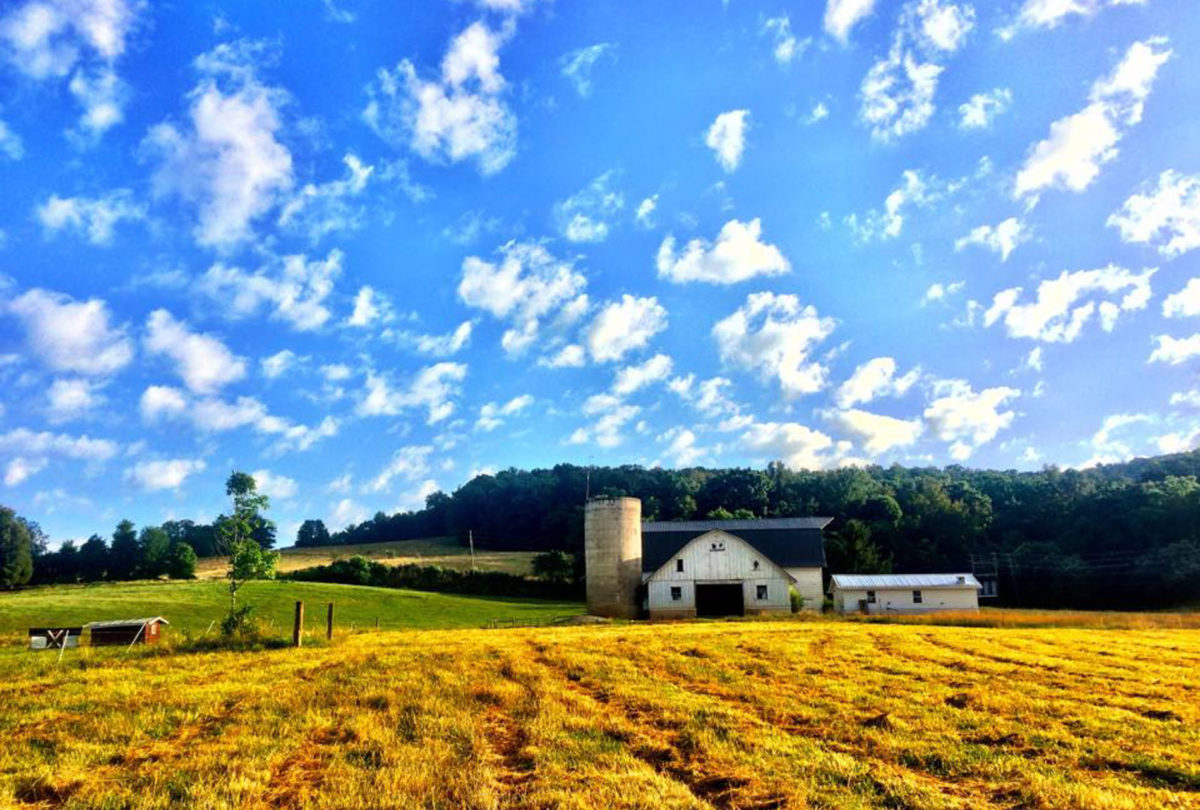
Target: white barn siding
{"points": [[718, 557], [900, 600], [809, 584]]}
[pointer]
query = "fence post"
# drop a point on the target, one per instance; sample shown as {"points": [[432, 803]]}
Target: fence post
{"points": [[329, 624], [298, 628], [377, 622]]}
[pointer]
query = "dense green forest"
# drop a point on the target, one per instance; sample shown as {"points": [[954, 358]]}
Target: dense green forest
{"points": [[1120, 536]]}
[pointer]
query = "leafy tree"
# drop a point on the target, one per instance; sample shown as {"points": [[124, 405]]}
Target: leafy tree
{"points": [[124, 553], [93, 559], [16, 550], [154, 546], [247, 559], [312, 533], [68, 562], [181, 563], [555, 566]]}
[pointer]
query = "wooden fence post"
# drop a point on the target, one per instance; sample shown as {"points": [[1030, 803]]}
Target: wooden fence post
{"points": [[329, 624], [298, 628]]}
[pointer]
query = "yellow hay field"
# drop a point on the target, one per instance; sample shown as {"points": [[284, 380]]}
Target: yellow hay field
{"points": [[727, 715]]}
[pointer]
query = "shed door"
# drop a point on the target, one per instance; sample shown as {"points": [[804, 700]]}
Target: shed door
{"points": [[719, 600]]}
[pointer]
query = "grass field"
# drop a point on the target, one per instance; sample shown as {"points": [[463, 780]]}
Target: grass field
{"points": [[443, 551], [728, 715], [192, 606]]}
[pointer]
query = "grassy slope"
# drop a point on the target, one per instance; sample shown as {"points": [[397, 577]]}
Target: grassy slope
{"points": [[443, 551], [755, 714], [193, 605]]}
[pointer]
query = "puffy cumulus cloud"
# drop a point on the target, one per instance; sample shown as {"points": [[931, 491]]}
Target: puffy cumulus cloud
{"points": [[439, 345], [644, 215], [967, 418], [610, 414], [879, 433], [1184, 303], [523, 288], [1063, 306], [873, 379], [914, 191], [458, 116], [587, 215], [727, 138], [69, 399], [1167, 217], [162, 402], [710, 397], [738, 254], [1071, 156], [163, 473], [635, 378], [407, 464], [1110, 444], [72, 336], [95, 218], [274, 485], [1174, 351], [294, 288], [570, 356], [318, 210], [202, 361], [211, 415], [771, 335], [1002, 238], [898, 91], [979, 111], [83, 39], [623, 326], [1051, 13], [798, 446], [29, 452], [228, 164], [681, 449], [11, 145], [577, 66], [433, 388], [493, 414], [787, 47], [842, 15], [370, 306], [940, 292], [346, 512], [279, 363]]}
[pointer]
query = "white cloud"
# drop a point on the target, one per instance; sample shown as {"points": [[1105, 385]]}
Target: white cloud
{"points": [[709, 396], [369, 306], [634, 378], [771, 335], [842, 15], [586, 215], [982, 108], [798, 446], [202, 361], [570, 356], [940, 292], [20, 469], [1184, 303], [296, 292], [275, 486], [879, 433], [440, 345], [1078, 146], [681, 447], [625, 325], [787, 47], [162, 402], [1002, 238], [611, 415], [1064, 305], [1051, 13], [1174, 351], [577, 66], [345, 513], [10, 143], [70, 399], [94, 218], [29, 452], [493, 414], [102, 95], [278, 364], [336, 372], [966, 418], [163, 474], [459, 116], [727, 138], [525, 286], [433, 388], [72, 336], [318, 210], [738, 254], [914, 190], [645, 211], [1167, 216], [873, 379], [229, 164], [1107, 448], [819, 113]]}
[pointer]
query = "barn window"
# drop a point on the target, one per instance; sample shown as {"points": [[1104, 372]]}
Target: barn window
{"points": [[870, 597], [679, 564], [762, 591], [917, 597], [756, 565], [676, 593]]}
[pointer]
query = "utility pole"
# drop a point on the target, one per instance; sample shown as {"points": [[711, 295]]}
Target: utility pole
{"points": [[471, 540]]}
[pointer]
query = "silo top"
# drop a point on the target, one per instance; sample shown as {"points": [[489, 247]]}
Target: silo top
{"points": [[614, 503]]}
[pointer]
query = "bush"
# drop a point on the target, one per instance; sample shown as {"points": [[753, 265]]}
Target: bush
{"points": [[240, 623], [797, 600]]}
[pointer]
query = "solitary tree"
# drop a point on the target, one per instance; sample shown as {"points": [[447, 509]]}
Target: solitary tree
{"points": [[16, 550], [247, 559]]}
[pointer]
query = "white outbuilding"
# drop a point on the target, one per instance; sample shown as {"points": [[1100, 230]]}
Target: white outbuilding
{"points": [[903, 593]]}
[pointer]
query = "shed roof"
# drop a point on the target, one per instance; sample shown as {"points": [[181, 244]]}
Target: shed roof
{"points": [[882, 582], [788, 542], [129, 622]]}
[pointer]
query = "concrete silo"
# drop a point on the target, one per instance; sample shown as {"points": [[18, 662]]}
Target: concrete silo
{"points": [[612, 543]]}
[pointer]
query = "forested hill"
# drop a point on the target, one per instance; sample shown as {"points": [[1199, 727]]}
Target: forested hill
{"points": [[1122, 535]]}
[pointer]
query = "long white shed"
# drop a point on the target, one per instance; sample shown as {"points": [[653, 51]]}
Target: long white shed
{"points": [[903, 593]]}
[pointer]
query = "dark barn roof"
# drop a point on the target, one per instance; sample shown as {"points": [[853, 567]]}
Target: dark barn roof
{"points": [[788, 542]]}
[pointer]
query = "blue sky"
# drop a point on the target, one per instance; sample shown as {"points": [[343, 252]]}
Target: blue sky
{"points": [[367, 250]]}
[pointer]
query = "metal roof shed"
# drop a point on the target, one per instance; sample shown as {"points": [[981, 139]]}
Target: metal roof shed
{"points": [[126, 632]]}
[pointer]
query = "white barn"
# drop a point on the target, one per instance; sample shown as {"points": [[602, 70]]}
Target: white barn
{"points": [[903, 593], [731, 567]]}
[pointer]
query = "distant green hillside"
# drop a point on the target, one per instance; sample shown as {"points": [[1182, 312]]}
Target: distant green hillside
{"points": [[194, 605]]}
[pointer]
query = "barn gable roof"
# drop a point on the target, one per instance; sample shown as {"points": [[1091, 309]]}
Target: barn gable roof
{"points": [[787, 542]]}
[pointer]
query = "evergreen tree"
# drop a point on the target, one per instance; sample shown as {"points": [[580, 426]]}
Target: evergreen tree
{"points": [[124, 554], [93, 559], [154, 546], [182, 562], [312, 533]]}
